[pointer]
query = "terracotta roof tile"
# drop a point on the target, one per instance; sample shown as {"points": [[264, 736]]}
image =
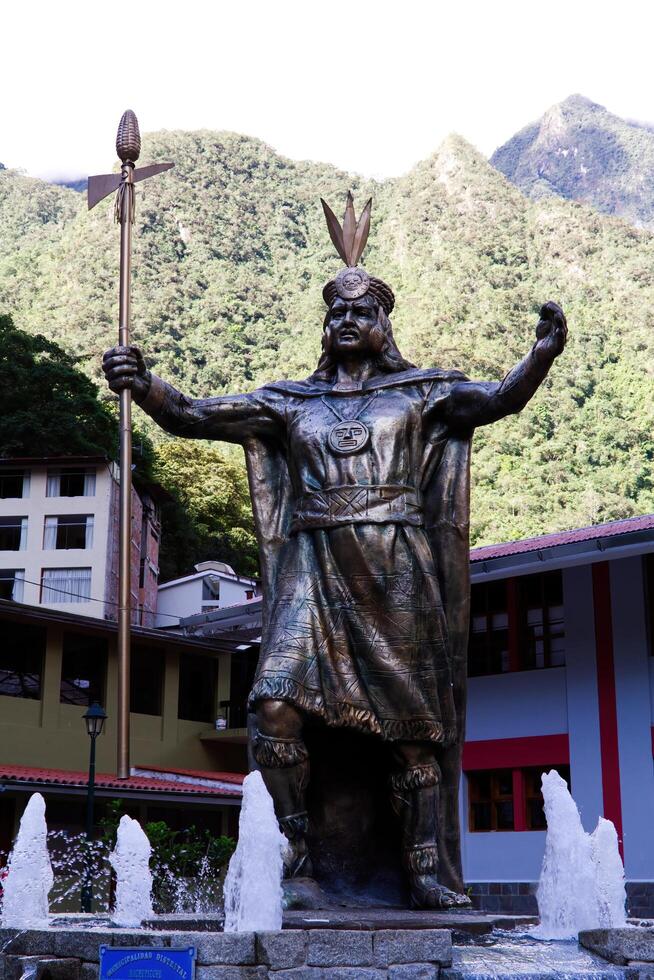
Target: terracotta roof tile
{"points": [[65, 777], [225, 777], [598, 531]]}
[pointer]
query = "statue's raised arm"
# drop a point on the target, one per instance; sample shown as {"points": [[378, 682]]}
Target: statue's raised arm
{"points": [[473, 403], [231, 418]]}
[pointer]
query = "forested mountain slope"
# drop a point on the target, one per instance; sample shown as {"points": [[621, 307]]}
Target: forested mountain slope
{"points": [[582, 152], [231, 254]]}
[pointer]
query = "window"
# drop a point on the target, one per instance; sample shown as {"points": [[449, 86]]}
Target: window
{"points": [[65, 584], [21, 660], [491, 800], [14, 483], [145, 564], [197, 688], [508, 799], [517, 624], [535, 816], [83, 669], [147, 676], [12, 581], [244, 667], [249, 593], [68, 531], [542, 626], [488, 651], [71, 483], [211, 588], [13, 533]]}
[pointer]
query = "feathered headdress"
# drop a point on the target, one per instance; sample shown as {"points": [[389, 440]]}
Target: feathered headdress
{"points": [[350, 240]]}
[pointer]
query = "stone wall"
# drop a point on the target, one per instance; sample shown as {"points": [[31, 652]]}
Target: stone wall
{"points": [[294, 954], [519, 897], [514, 897], [633, 948], [640, 899]]}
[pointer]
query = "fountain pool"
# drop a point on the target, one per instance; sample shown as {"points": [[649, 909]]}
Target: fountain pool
{"points": [[334, 943]]}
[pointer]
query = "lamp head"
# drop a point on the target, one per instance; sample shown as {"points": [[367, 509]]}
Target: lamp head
{"points": [[94, 717]]}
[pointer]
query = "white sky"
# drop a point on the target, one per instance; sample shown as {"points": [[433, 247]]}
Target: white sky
{"points": [[371, 86]]}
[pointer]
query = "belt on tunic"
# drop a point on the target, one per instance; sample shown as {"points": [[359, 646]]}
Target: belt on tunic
{"points": [[358, 504]]}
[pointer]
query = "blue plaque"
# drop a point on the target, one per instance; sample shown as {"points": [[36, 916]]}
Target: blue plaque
{"points": [[146, 963]]}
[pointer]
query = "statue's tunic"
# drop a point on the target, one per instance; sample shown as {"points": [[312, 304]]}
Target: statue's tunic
{"points": [[356, 633]]}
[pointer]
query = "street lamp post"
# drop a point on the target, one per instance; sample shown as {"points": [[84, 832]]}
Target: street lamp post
{"points": [[94, 718]]}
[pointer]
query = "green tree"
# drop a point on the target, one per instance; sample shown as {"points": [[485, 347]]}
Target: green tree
{"points": [[48, 407], [212, 491]]}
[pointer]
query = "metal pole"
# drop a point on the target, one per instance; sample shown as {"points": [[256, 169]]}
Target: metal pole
{"points": [[128, 149], [125, 556], [87, 887]]}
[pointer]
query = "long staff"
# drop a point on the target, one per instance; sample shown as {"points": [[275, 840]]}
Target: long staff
{"points": [[128, 149]]}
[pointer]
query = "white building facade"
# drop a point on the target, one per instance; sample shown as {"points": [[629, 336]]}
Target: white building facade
{"points": [[213, 585], [59, 536]]}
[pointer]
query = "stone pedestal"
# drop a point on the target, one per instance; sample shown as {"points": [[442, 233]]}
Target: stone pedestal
{"points": [[293, 954]]}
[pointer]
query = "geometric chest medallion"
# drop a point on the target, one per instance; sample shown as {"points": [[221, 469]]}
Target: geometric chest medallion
{"points": [[348, 436]]}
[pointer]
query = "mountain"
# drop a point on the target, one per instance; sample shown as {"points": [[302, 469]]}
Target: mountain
{"points": [[30, 211], [582, 152], [231, 254], [75, 185]]}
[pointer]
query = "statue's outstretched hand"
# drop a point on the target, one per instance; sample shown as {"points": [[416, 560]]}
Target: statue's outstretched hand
{"points": [[124, 367], [552, 329]]}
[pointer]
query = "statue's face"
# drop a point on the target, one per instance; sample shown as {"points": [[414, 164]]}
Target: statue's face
{"points": [[350, 324]]}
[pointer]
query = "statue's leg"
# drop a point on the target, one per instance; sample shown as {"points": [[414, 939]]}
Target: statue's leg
{"points": [[415, 798], [284, 762]]}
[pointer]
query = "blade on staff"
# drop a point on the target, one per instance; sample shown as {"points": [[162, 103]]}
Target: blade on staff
{"points": [[128, 150]]}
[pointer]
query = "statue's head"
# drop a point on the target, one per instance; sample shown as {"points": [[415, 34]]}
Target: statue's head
{"points": [[359, 305]]}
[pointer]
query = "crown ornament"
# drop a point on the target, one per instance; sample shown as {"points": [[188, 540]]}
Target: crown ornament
{"points": [[349, 240]]}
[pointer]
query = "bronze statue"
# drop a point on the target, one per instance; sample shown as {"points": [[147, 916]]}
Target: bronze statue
{"points": [[359, 478]]}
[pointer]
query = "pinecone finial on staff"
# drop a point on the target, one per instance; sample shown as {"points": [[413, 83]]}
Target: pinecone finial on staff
{"points": [[128, 138]]}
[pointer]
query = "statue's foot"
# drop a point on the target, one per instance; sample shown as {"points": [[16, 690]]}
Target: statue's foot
{"points": [[297, 863], [428, 893], [304, 893]]}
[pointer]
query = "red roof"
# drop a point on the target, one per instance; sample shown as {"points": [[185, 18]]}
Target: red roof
{"points": [[598, 531], [65, 777], [224, 777]]}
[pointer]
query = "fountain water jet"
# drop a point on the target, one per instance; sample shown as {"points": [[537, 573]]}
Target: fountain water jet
{"points": [[253, 886], [609, 876], [130, 860], [582, 879], [30, 877]]}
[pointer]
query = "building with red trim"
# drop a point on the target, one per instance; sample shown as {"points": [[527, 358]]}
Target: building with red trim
{"points": [[561, 675], [53, 664]]}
